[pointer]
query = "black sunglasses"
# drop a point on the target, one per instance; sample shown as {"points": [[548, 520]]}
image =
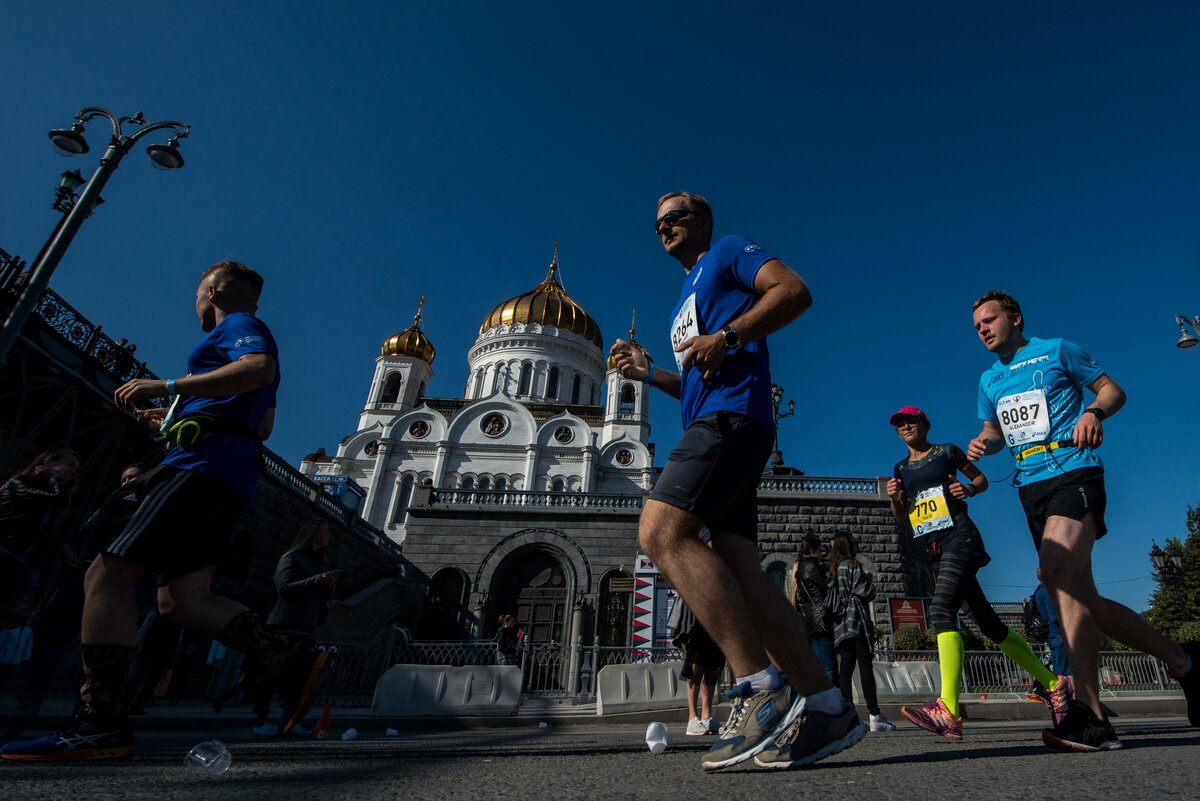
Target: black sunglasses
{"points": [[670, 218]]}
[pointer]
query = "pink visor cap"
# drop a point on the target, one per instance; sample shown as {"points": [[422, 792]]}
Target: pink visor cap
{"points": [[908, 411]]}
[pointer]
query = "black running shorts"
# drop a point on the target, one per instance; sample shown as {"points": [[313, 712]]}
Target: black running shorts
{"points": [[1075, 494], [183, 524], [714, 472]]}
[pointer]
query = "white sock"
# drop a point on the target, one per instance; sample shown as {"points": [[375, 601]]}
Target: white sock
{"points": [[829, 702], [767, 680]]}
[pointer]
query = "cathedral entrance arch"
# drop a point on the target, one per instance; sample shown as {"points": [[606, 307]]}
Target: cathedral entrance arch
{"points": [[531, 584]]}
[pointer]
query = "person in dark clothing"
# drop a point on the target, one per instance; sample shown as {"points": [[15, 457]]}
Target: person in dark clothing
{"points": [[305, 584], [57, 620], [853, 631], [809, 597], [29, 503], [508, 641]]}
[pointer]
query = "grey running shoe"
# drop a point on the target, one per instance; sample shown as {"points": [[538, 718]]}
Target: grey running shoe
{"points": [[812, 737], [756, 720]]}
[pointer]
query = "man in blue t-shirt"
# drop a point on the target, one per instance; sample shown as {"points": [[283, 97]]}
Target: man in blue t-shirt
{"points": [[224, 408], [1032, 402], [734, 294]]}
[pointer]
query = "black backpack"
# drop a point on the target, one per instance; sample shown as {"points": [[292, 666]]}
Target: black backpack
{"points": [[1035, 627]]}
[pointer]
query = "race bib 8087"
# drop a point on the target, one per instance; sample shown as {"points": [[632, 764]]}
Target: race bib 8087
{"points": [[1024, 417]]}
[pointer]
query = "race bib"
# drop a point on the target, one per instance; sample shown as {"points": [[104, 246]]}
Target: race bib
{"points": [[930, 512], [685, 327], [1024, 417]]}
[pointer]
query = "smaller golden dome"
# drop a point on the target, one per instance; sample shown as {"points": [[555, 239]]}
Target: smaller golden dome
{"points": [[612, 362], [411, 341]]}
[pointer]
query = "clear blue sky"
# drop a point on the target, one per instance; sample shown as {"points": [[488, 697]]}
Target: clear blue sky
{"points": [[903, 158]]}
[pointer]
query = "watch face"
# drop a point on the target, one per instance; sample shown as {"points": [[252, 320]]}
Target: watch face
{"points": [[732, 338]]}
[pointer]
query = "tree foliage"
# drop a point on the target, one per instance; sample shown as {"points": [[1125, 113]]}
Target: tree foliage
{"points": [[1175, 605]]}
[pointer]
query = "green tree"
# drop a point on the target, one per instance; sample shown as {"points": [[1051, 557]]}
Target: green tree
{"points": [[1175, 605], [909, 637]]}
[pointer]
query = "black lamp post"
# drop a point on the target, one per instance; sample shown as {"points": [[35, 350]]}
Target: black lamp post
{"points": [[1168, 563], [1187, 338], [70, 142], [776, 402]]}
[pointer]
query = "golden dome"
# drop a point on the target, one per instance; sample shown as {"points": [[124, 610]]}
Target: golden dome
{"points": [[411, 341], [545, 304], [612, 362]]}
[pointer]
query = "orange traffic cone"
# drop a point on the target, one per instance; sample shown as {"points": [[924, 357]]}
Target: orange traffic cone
{"points": [[323, 727]]}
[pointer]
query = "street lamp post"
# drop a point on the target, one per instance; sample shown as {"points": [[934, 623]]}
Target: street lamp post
{"points": [[1168, 563], [70, 142], [776, 402], [1188, 339]]}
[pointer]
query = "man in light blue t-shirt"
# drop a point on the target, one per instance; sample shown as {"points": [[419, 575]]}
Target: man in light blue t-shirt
{"points": [[1032, 402], [734, 293]]}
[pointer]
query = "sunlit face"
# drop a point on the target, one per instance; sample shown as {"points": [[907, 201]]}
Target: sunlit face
{"points": [[996, 329], [911, 429], [682, 231]]}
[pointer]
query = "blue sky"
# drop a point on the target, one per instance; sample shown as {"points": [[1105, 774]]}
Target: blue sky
{"points": [[903, 158]]}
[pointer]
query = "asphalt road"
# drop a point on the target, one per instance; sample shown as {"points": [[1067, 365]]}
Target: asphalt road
{"points": [[1161, 760]]}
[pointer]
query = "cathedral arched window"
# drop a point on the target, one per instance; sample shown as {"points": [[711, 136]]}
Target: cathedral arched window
{"points": [[484, 483], [552, 384], [479, 382], [468, 482], [501, 484], [391, 389], [575, 389], [526, 379], [402, 502], [556, 485], [421, 390], [592, 394]]}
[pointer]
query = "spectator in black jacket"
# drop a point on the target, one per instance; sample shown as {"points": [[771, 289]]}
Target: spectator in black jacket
{"points": [[809, 597], [29, 503]]}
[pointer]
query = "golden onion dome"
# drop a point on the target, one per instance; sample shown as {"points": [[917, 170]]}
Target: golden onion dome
{"points": [[612, 362], [411, 341], [545, 304]]}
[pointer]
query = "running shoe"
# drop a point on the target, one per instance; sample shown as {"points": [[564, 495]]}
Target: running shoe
{"points": [[881, 723], [696, 727], [86, 741], [300, 684], [1081, 731], [935, 717], [710, 725], [753, 724], [1190, 682], [812, 737], [265, 730]]}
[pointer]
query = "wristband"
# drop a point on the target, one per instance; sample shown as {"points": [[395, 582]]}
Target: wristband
{"points": [[649, 375], [171, 387], [1097, 411]]}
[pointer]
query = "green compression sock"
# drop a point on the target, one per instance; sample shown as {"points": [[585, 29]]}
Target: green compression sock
{"points": [[950, 660], [1016, 649]]}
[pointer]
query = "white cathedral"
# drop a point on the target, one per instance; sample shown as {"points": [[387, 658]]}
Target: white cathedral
{"points": [[543, 411]]}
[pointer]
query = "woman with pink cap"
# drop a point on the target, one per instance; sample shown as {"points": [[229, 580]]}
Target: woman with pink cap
{"points": [[928, 495]]}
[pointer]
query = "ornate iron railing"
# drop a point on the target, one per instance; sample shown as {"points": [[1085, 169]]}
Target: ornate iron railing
{"points": [[994, 673], [89, 339], [817, 485]]}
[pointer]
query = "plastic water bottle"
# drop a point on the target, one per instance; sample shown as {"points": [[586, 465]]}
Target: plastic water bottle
{"points": [[656, 738], [209, 757]]}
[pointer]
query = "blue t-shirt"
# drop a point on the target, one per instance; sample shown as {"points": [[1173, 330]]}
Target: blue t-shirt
{"points": [[228, 457], [1036, 397], [718, 290]]}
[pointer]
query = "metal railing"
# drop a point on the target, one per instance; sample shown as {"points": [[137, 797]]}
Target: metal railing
{"points": [[993, 672], [556, 500], [818, 485]]}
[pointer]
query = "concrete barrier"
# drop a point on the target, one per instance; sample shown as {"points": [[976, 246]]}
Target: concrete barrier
{"points": [[903, 682], [639, 687], [439, 690]]}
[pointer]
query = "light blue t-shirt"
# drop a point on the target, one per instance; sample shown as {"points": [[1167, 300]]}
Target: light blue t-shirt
{"points": [[229, 457], [1036, 398], [718, 290]]}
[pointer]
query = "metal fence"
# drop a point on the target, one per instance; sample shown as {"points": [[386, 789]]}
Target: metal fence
{"points": [[993, 672]]}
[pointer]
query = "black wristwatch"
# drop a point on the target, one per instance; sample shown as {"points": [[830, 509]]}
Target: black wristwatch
{"points": [[730, 337], [1096, 410]]}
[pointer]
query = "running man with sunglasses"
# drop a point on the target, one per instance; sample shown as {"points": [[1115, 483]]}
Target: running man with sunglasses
{"points": [[734, 294], [1032, 401]]}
